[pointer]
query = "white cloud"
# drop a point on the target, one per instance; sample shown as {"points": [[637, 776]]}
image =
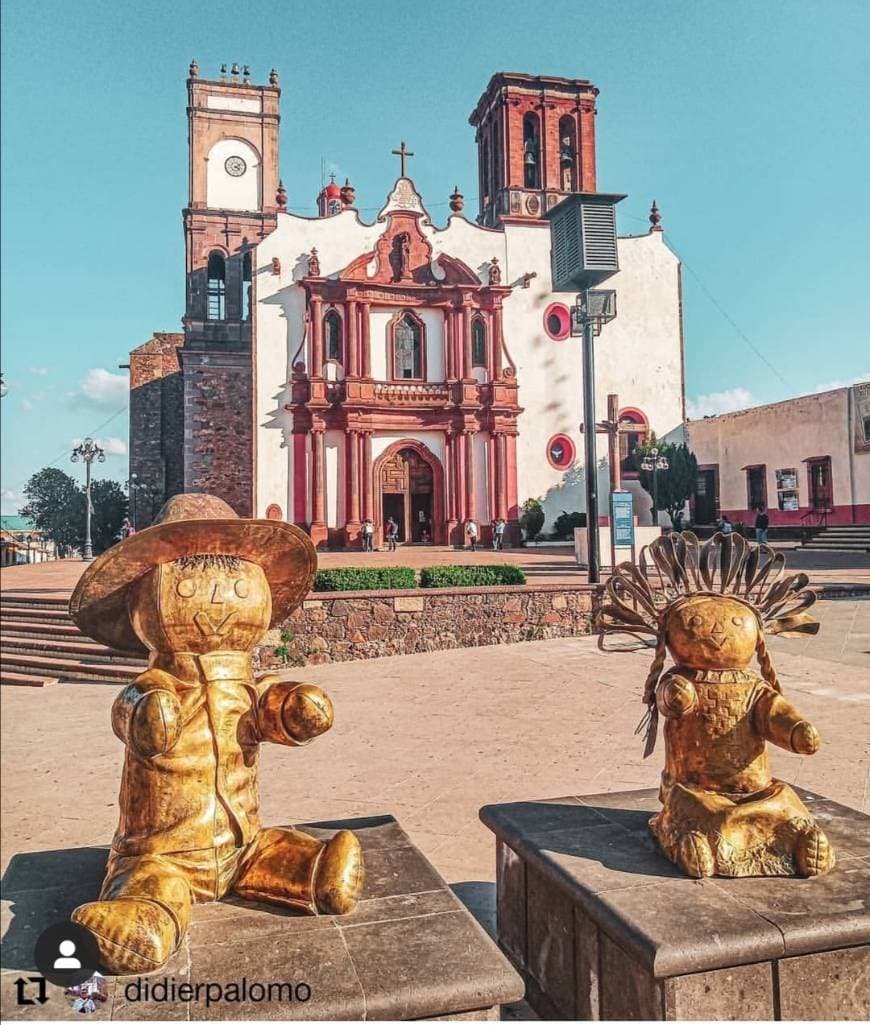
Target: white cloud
{"points": [[26, 405], [831, 385], [719, 402], [100, 387], [111, 446], [39, 371], [10, 501]]}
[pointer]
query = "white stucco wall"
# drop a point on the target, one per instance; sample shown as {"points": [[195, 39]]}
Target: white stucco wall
{"points": [[334, 476], [225, 192], [638, 355]]}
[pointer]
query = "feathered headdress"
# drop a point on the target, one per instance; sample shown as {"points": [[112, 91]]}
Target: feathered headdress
{"points": [[638, 598]]}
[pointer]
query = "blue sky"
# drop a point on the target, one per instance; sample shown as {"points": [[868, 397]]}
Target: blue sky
{"points": [[746, 121]]}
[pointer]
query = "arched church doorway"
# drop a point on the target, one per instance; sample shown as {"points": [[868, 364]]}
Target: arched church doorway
{"points": [[409, 488]]}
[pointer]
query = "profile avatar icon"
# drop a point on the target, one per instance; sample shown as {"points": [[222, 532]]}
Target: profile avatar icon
{"points": [[66, 948]]}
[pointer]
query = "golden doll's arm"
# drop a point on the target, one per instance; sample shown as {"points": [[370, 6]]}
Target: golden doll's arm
{"points": [[675, 696], [146, 715], [782, 724], [292, 713]]}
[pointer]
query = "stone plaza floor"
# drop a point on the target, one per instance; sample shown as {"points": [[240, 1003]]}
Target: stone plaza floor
{"points": [[430, 738]]}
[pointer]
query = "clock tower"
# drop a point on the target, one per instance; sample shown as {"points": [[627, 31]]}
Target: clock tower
{"points": [[232, 205]]}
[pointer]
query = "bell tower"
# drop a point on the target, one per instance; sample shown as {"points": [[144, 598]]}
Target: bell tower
{"points": [[535, 144], [234, 197]]}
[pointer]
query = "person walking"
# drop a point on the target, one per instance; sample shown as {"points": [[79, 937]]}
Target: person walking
{"points": [[392, 532], [762, 522], [368, 534], [471, 533], [727, 526], [498, 535]]}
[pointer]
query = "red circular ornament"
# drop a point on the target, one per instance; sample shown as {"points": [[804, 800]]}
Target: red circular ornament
{"points": [[557, 321], [560, 451]]}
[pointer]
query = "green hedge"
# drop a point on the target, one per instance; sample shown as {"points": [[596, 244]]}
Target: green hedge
{"points": [[364, 578], [471, 576]]}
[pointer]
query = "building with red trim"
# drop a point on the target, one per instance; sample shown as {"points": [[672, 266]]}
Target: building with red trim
{"points": [[336, 368]]}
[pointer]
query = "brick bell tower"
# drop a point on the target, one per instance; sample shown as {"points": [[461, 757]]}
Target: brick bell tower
{"points": [[535, 144], [232, 205]]}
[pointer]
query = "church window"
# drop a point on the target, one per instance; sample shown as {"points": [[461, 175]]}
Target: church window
{"points": [[531, 151], [478, 343], [557, 321], [408, 348], [332, 335], [633, 431], [217, 286], [567, 154], [560, 451], [246, 286]]}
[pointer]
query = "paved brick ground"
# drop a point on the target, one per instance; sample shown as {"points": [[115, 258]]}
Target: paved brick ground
{"points": [[550, 565]]}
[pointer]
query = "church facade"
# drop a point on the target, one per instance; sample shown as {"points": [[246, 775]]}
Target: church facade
{"points": [[334, 369]]}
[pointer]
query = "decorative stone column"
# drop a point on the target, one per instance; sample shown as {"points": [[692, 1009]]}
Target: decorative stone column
{"points": [[451, 486], [496, 341], [367, 481], [366, 341], [500, 497], [466, 342], [319, 531], [351, 319], [470, 503], [316, 326], [352, 524], [449, 372]]}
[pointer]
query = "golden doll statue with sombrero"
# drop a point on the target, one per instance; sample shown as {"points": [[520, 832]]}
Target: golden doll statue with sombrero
{"points": [[197, 591], [709, 606]]}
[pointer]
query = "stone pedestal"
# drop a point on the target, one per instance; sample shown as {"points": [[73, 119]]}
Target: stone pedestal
{"points": [[410, 950], [602, 926]]}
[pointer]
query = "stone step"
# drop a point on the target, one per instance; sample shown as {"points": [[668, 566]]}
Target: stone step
{"points": [[69, 668], [62, 648], [35, 615], [25, 628], [836, 547], [33, 600], [10, 678]]}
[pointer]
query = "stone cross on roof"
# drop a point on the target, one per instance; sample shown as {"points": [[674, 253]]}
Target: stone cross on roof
{"points": [[401, 153]]}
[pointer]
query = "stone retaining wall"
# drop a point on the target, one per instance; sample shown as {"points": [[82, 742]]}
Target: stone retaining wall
{"points": [[339, 627]]}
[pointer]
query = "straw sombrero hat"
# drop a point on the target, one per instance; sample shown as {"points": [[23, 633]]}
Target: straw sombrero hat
{"points": [[192, 524]]}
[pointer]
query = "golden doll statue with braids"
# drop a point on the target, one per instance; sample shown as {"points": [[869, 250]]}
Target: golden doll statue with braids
{"points": [[708, 606]]}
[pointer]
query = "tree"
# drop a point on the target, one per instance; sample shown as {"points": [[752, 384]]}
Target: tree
{"points": [[532, 518], [56, 504], [109, 509], [674, 485]]}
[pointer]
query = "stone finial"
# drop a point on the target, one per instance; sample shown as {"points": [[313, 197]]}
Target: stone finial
{"points": [[348, 193], [273, 77], [313, 264], [281, 196], [223, 72], [655, 218], [193, 70], [246, 74], [457, 200], [234, 71], [494, 272]]}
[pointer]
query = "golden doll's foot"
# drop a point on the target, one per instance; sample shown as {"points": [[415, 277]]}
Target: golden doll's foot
{"points": [[340, 875], [813, 854], [134, 935], [694, 855]]}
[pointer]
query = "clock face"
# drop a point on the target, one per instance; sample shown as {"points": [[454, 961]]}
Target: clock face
{"points": [[235, 166]]}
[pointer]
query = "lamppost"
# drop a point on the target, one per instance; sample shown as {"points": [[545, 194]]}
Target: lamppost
{"points": [[88, 451], [654, 461], [28, 541], [595, 307]]}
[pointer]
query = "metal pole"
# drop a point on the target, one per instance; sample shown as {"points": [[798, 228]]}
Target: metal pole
{"points": [[89, 550], [656, 492], [592, 544]]}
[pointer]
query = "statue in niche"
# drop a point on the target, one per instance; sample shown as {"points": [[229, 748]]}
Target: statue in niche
{"points": [[400, 256], [494, 272], [197, 591], [313, 264], [709, 606]]}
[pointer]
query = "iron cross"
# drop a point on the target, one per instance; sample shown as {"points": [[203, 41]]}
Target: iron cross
{"points": [[401, 153]]}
